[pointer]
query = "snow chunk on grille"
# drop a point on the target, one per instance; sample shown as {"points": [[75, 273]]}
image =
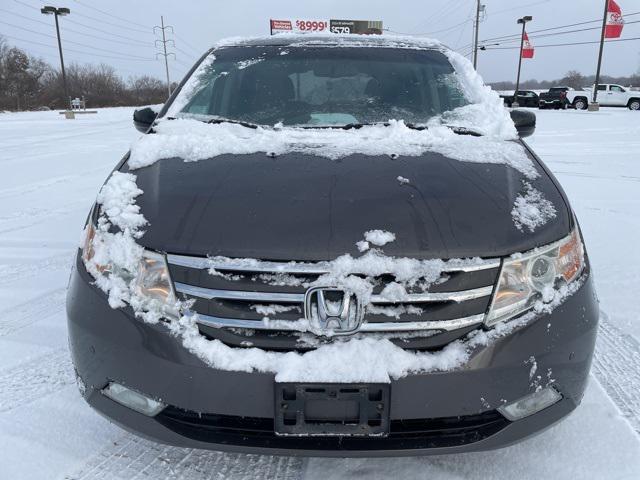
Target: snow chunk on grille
{"points": [[379, 237]]}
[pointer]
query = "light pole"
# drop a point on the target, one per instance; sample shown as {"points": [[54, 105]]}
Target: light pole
{"points": [[522, 21], [56, 12], [594, 106]]}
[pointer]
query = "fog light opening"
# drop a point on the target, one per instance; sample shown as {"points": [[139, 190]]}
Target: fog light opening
{"points": [[133, 400], [532, 403]]}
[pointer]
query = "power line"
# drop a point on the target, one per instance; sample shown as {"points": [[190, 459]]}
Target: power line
{"points": [[123, 27], [564, 44], [439, 14], [198, 51], [133, 40], [92, 18], [136, 57], [555, 28], [188, 55], [93, 54], [110, 14], [430, 33], [560, 33]]}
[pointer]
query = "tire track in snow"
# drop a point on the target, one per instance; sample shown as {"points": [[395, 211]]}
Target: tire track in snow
{"points": [[616, 365], [35, 216], [35, 378], [133, 458], [27, 313], [9, 274]]}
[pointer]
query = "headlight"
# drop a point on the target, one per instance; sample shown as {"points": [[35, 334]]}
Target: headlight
{"points": [[89, 250], [533, 276], [153, 284]]}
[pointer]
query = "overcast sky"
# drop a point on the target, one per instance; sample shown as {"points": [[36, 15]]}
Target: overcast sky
{"points": [[90, 35]]}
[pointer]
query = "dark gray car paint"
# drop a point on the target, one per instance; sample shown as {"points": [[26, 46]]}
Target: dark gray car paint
{"points": [[304, 207], [112, 345]]}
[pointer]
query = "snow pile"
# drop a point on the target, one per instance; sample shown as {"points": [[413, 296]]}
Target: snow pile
{"points": [[115, 254], [403, 180], [532, 210]]}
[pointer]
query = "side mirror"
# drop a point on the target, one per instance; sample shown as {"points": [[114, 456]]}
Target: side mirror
{"points": [[143, 119], [524, 121]]}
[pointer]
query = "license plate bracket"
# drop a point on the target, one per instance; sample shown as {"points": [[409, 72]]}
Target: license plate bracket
{"points": [[332, 409]]}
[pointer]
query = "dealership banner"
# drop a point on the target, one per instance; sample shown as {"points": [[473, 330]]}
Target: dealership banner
{"points": [[527, 47], [615, 22], [361, 27], [298, 26]]}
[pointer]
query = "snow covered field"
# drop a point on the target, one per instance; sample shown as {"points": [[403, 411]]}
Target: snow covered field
{"points": [[51, 172]]}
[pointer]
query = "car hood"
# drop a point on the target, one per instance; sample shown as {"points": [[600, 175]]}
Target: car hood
{"points": [[308, 208]]}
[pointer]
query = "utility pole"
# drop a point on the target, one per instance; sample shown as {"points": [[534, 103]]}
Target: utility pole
{"points": [[59, 12], [594, 106], [164, 53], [475, 38], [522, 21]]}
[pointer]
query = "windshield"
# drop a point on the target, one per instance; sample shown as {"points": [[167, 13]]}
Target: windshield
{"points": [[320, 86]]}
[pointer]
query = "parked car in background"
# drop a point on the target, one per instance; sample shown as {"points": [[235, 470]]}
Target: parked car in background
{"points": [[609, 95], [556, 98], [526, 98], [612, 95]]}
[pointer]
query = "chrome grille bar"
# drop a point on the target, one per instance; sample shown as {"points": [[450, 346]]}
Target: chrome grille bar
{"points": [[319, 268], [285, 325], [275, 297]]}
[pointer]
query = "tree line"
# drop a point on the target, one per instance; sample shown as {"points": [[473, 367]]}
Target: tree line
{"points": [[572, 78], [29, 83]]}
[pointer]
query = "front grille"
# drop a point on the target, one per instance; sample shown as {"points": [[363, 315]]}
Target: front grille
{"points": [[231, 305], [403, 434]]}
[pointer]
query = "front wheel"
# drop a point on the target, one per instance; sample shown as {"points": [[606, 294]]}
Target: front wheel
{"points": [[580, 104], [634, 104]]}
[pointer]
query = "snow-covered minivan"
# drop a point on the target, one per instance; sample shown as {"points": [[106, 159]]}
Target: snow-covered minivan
{"points": [[332, 245]]}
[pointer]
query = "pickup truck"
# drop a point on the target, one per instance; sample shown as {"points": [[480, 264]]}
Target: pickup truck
{"points": [[612, 95], [556, 98], [609, 95], [526, 98]]}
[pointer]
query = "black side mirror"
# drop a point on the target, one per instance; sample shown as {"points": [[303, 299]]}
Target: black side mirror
{"points": [[143, 119], [524, 121]]}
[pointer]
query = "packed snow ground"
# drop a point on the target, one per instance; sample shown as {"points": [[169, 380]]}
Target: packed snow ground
{"points": [[51, 172]]}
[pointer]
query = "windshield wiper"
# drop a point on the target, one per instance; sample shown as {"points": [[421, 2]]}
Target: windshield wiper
{"points": [[464, 131], [357, 126], [218, 120]]}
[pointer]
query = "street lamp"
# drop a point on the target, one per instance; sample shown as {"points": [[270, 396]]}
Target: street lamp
{"points": [[59, 12], [522, 21]]}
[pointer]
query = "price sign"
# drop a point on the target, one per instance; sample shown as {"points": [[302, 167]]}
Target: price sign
{"points": [[362, 27], [311, 25]]}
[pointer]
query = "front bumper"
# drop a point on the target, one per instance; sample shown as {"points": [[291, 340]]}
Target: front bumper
{"points": [[233, 411]]}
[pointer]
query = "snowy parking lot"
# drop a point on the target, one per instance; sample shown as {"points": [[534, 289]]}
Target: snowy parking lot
{"points": [[51, 171]]}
